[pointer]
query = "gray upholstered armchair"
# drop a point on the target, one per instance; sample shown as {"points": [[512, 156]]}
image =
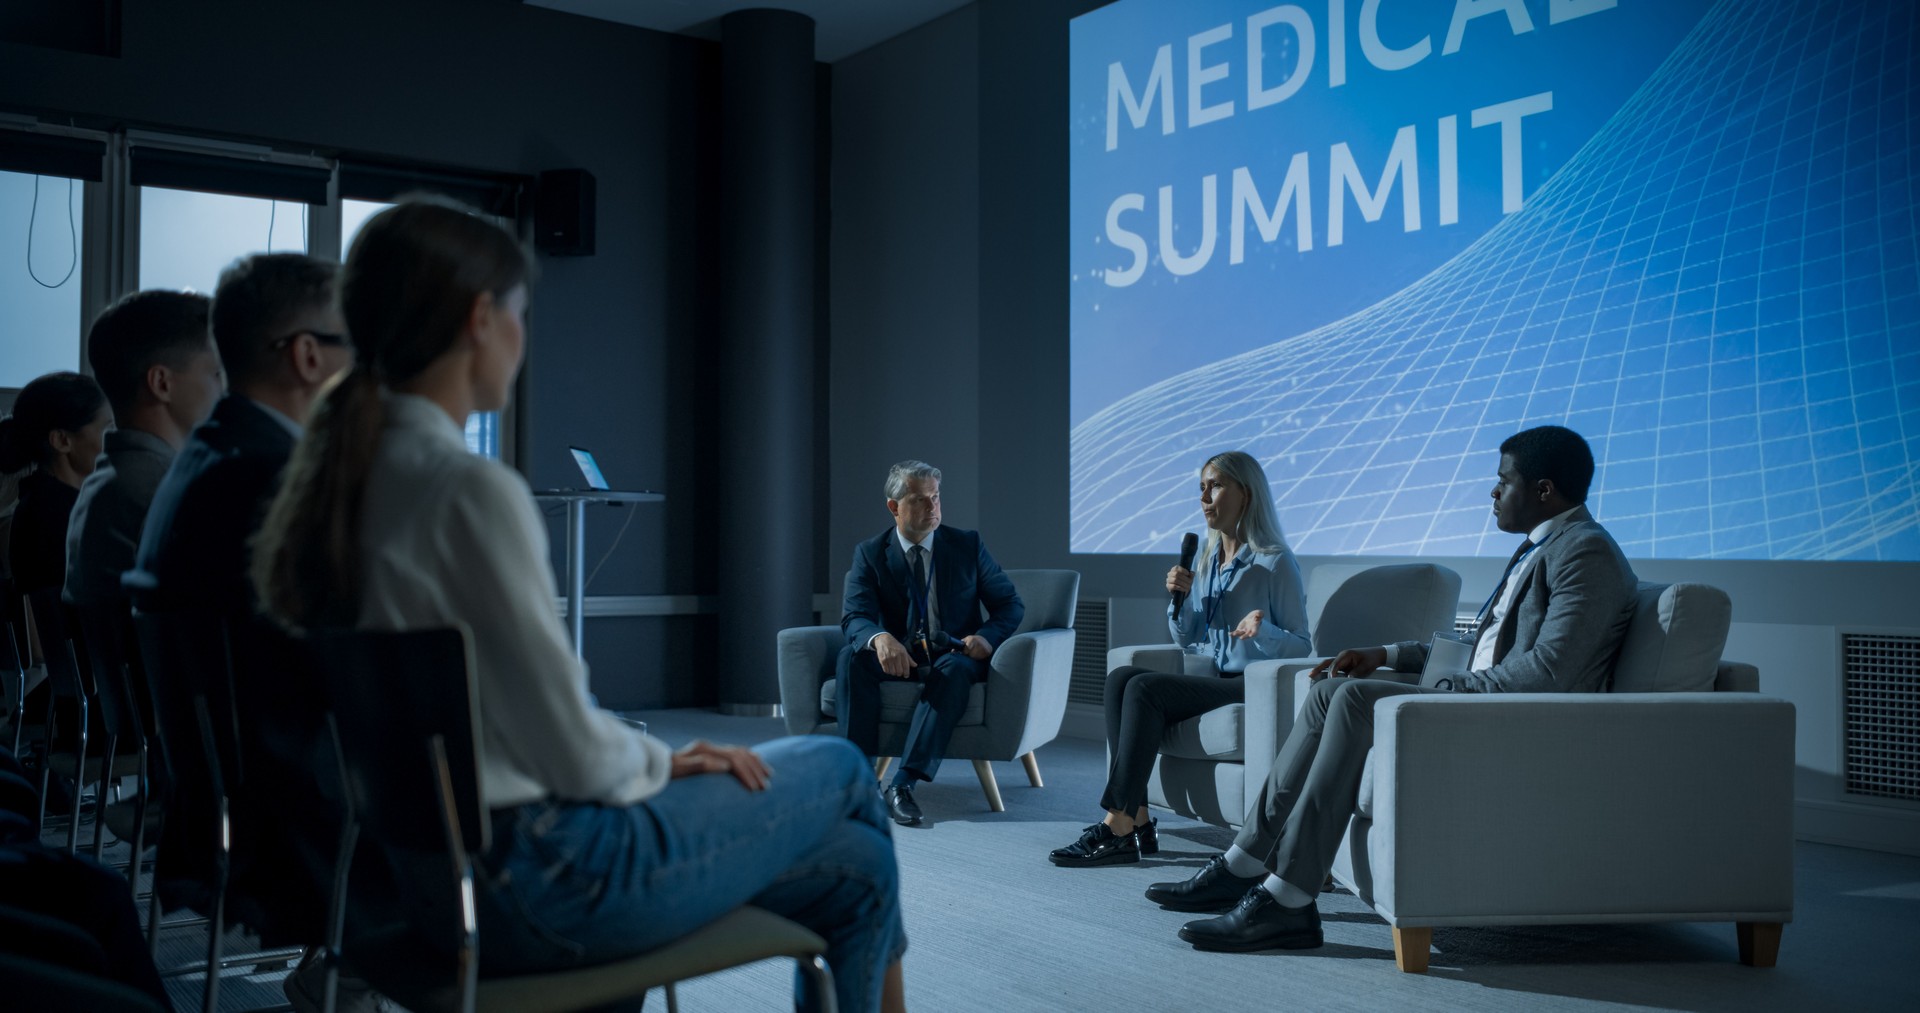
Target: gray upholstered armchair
{"points": [[1015, 711], [1668, 798], [1210, 767]]}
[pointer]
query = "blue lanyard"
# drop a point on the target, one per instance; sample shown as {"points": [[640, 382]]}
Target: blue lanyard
{"points": [[1217, 585]]}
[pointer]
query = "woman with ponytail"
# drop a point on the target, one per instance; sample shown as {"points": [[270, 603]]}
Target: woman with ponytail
{"points": [[385, 521], [54, 433]]}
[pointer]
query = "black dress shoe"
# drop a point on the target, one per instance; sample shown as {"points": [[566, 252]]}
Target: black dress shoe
{"points": [[1213, 888], [901, 806], [1257, 923], [1148, 836], [1098, 845]]}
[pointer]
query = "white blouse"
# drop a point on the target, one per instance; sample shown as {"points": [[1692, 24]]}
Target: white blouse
{"points": [[449, 537]]}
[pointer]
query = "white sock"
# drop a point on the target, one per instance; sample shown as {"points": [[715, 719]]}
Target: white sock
{"points": [[1242, 864], [1286, 893]]}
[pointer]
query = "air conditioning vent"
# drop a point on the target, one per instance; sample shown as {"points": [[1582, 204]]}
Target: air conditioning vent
{"points": [[1881, 679], [1089, 653]]}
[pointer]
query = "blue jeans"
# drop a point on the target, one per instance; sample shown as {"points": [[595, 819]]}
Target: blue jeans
{"points": [[569, 884]]}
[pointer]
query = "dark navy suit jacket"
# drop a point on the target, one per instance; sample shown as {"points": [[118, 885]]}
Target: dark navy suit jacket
{"points": [[965, 579], [195, 553], [195, 545]]}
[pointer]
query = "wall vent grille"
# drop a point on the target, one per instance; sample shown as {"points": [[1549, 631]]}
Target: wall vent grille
{"points": [[1089, 653], [1466, 623], [1881, 679]]}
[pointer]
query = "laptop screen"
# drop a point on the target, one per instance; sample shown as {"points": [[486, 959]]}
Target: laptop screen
{"points": [[591, 470]]}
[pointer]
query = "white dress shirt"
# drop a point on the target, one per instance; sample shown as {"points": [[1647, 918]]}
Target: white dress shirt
{"points": [[449, 537], [933, 605]]}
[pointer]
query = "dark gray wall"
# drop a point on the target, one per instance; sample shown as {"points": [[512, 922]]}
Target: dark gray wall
{"points": [[906, 356], [615, 351]]}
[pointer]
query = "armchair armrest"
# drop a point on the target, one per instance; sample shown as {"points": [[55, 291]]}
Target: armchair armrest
{"points": [[1533, 808], [1160, 658], [806, 657], [1276, 690], [1027, 682]]}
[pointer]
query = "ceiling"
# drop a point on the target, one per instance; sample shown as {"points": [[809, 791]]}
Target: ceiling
{"points": [[841, 27]]}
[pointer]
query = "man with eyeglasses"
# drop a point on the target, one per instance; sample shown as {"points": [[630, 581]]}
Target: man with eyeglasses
{"points": [[913, 612], [281, 338], [279, 331]]}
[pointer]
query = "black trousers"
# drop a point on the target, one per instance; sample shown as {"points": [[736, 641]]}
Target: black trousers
{"points": [[1141, 703], [943, 699]]}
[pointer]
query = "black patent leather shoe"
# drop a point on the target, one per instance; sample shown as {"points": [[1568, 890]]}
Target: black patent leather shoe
{"points": [[1213, 888], [901, 806], [1098, 845], [1147, 835], [1258, 922]]}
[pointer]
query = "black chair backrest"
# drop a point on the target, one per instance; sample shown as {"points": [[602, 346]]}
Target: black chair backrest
{"points": [[393, 694], [53, 622], [187, 666], [107, 629]]}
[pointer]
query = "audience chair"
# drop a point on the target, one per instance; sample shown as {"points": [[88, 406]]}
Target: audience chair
{"points": [[406, 722], [186, 658], [55, 625], [1015, 711], [127, 715], [1211, 767], [13, 668]]}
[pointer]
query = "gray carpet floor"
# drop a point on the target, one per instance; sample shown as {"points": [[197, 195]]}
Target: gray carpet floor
{"points": [[995, 927]]}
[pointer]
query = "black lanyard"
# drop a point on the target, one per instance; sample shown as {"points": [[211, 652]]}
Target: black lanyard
{"points": [[1218, 585]]}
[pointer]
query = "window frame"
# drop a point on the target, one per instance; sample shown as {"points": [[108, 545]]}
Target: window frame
{"points": [[110, 234]]}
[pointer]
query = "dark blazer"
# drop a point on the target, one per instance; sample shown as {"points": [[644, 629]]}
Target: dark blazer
{"points": [[195, 544], [195, 553], [965, 579], [1563, 633], [39, 535]]}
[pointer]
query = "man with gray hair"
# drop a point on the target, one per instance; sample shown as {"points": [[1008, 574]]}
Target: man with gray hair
{"points": [[913, 612]]}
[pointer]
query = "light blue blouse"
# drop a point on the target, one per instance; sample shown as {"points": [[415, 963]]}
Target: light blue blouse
{"points": [[1222, 596]]}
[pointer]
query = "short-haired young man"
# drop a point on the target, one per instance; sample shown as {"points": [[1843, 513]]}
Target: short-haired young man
{"points": [[1553, 625], [156, 362], [281, 339]]}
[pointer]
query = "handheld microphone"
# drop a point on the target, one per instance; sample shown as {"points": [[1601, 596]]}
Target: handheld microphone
{"points": [[1189, 544]]}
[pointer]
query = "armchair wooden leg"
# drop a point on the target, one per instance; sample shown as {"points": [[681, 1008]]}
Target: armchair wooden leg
{"points": [[880, 765], [1759, 943], [989, 785], [1411, 948], [1033, 769]]}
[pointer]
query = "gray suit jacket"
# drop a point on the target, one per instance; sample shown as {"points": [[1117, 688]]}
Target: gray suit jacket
{"points": [[104, 530], [1566, 624]]}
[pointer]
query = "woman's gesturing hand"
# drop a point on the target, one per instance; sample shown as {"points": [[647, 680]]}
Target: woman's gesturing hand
{"points": [[1250, 626]]}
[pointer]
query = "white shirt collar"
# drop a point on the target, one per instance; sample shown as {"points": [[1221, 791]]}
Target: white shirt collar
{"points": [[1545, 529], [286, 421], [906, 547]]}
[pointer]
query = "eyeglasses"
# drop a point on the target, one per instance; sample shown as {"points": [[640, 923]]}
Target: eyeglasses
{"points": [[337, 340]]}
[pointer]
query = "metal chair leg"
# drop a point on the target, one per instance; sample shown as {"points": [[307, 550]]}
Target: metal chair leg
{"points": [[79, 779], [820, 976]]}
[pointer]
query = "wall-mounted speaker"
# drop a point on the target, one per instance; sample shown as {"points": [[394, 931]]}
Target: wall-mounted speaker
{"points": [[563, 211]]}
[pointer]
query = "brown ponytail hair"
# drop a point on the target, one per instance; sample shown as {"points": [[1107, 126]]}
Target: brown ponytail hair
{"points": [[408, 287]]}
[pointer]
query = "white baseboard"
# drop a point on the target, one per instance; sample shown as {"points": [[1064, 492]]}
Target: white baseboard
{"points": [[1857, 825], [1084, 721]]}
